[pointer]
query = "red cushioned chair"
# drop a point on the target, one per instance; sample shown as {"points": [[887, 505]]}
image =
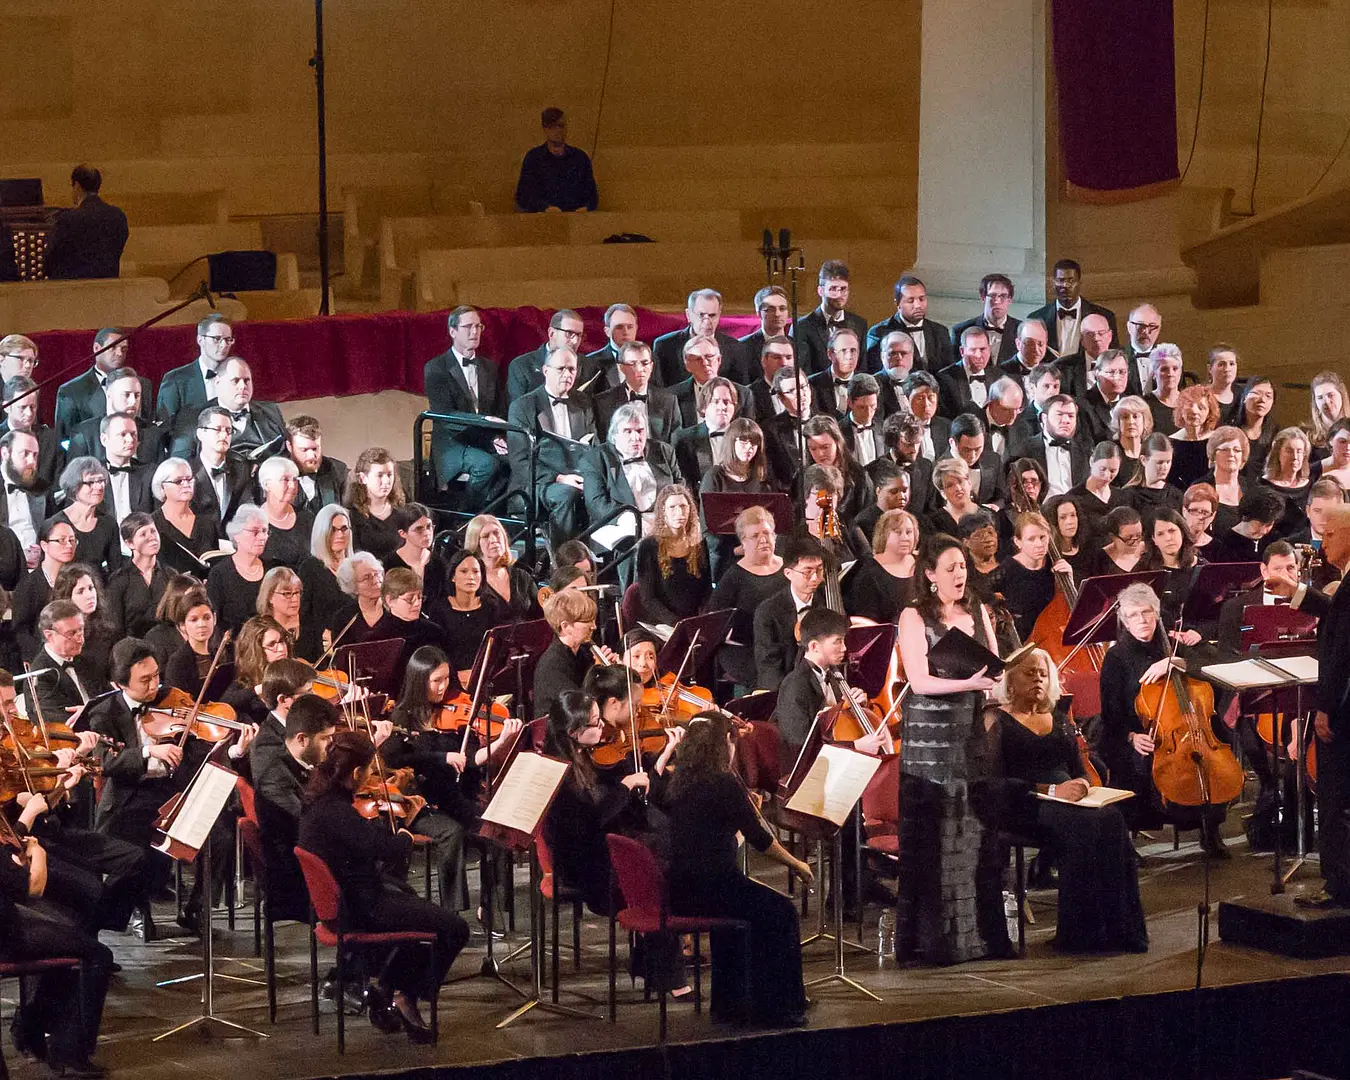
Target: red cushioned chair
{"points": [[327, 925], [557, 894], [646, 910], [632, 605], [20, 969]]}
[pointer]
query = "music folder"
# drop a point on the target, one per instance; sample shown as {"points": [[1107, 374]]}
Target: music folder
{"points": [[523, 796], [834, 783], [722, 508], [202, 803], [959, 656]]}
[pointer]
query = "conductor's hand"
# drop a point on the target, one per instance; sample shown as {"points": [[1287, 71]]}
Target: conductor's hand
{"points": [[1072, 790], [637, 780], [1143, 744], [1322, 725], [169, 753], [980, 681], [1281, 582], [1157, 671]]}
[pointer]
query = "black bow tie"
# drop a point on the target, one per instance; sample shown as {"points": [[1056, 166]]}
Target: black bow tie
{"points": [[633, 461], [859, 428], [242, 414], [139, 711], [637, 397], [1061, 444], [1067, 312], [10, 489], [114, 470], [716, 434], [556, 400], [841, 383], [211, 373], [216, 471]]}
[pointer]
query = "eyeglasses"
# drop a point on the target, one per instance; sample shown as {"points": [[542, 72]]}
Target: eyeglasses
{"points": [[288, 594], [69, 635], [94, 481], [808, 571], [64, 541], [181, 480], [219, 430], [341, 529], [221, 340], [1151, 327]]}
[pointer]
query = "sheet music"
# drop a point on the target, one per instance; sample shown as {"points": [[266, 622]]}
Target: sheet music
{"points": [[1096, 797], [662, 630], [1253, 674], [202, 804], [525, 792], [834, 783], [1302, 668]]}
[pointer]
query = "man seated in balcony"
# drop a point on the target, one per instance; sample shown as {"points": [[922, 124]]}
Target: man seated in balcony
{"points": [[86, 241], [256, 423], [121, 393], [555, 176]]}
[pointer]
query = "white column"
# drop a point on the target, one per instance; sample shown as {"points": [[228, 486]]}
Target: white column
{"points": [[982, 151]]}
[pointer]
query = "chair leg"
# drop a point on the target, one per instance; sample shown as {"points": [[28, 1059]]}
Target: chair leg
{"points": [[510, 892], [576, 936], [314, 974], [662, 997], [428, 870], [1020, 896], [554, 949], [698, 972], [1176, 838], [270, 968], [341, 995], [257, 918], [613, 969], [435, 992], [231, 884]]}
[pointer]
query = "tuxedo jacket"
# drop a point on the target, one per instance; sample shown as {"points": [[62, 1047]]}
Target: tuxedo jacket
{"points": [[954, 389], [182, 396], [761, 401], [140, 497], [993, 483], [87, 241], [776, 647], [1134, 384], [1094, 416], [687, 401], [852, 435], [1073, 374], [125, 770], [823, 398], [668, 354], [264, 424], [605, 362], [55, 689], [1230, 617], [526, 373], [448, 391], [532, 412], [694, 454], [607, 486], [781, 448], [1047, 315], [751, 347], [1007, 346], [800, 699], [663, 411], [39, 497], [937, 344], [238, 486], [151, 441], [50, 458], [330, 480], [83, 398], [812, 339], [922, 495], [1079, 457]]}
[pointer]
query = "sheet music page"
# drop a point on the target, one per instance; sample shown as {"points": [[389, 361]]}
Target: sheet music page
{"points": [[1244, 674], [1096, 797], [1302, 668], [834, 783], [202, 804], [525, 792]]}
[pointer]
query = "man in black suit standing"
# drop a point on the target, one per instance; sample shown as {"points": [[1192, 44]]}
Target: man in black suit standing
{"points": [[86, 241], [553, 410], [322, 479], [781, 445], [635, 371], [814, 331], [964, 386], [185, 391], [83, 398], [1277, 561], [696, 447], [932, 340], [460, 380], [775, 317], [128, 489], [1074, 368], [628, 468], [996, 290], [702, 359], [861, 425], [1000, 413], [903, 435], [776, 647], [22, 415], [222, 479], [526, 371], [1057, 449], [987, 480], [829, 387], [1063, 316], [921, 391], [121, 394], [704, 312], [620, 328], [256, 423], [1332, 700]]}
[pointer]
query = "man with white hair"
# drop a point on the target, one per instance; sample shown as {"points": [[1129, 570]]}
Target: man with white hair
{"points": [[1144, 328], [703, 310], [628, 468]]}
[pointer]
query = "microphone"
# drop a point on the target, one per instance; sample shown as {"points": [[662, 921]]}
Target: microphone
{"points": [[766, 245], [785, 242], [599, 590]]}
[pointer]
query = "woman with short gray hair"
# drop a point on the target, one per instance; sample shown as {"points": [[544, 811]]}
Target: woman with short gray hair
{"points": [[84, 486]]}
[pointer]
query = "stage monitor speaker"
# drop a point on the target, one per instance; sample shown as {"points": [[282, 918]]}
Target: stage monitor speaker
{"points": [[242, 271]]}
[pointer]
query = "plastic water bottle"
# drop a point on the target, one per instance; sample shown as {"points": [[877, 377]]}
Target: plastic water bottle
{"points": [[886, 935], [1010, 913]]}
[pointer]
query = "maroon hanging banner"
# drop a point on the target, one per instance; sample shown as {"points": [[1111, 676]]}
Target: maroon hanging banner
{"points": [[1116, 92]]}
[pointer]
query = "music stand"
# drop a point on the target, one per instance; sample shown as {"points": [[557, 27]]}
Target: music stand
{"points": [[870, 649], [1273, 627], [516, 649], [722, 508], [1089, 621], [375, 662], [706, 633], [757, 706], [1214, 585]]}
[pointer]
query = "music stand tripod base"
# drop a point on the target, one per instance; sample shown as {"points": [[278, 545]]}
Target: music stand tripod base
{"points": [[837, 975]]}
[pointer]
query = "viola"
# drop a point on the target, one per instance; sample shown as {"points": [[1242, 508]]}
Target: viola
{"points": [[177, 714], [331, 684], [674, 702]]}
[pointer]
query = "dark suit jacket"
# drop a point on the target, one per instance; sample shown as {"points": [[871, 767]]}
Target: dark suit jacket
{"points": [[40, 503], [751, 346], [687, 400], [922, 496], [138, 489], [694, 454], [1230, 617], [813, 339], [823, 398], [941, 428], [1333, 651], [82, 398], [781, 449], [667, 351], [239, 482], [532, 411], [851, 435], [1080, 459], [663, 411], [993, 483], [1094, 416], [55, 688], [761, 401], [1073, 374], [800, 698], [1046, 314], [954, 389], [937, 344], [87, 241], [329, 482], [1135, 385], [776, 647], [1007, 345], [265, 424], [605, 361], [607, 487], [124, 771], [151, 441], [526, 373], [182, 396], [447, 391]]}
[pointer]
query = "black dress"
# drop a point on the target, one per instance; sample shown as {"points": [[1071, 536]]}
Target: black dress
{"points": [[1147, 501], [100, 547], [1225, 516], [132, 601], [1190, 461], [1099, 906], [372, 534], [873, 592], [1295, 516], [668, 598], [435, 585], [1026, 592], [524, 602], [234, 597], [289, 547], [181, 553], [743, 592], [464, 630], [1092, 512], [559, 669], [706, 880]]}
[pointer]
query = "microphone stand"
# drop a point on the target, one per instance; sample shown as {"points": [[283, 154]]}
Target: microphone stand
{"points": [[778, 263], [202, 292]]}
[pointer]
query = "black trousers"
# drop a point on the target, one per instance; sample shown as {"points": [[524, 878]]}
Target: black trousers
{"points": [[448, 835], [488, 472], [66, 1008], [1333, 811], [405, 969], [79, 858]]}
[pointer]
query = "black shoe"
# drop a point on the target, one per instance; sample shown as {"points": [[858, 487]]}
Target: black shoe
{"points": [[142, 924], [383, 1016], [416, 1031], [1320, 901], [190, 919], [76, 1070], [353, 997], [27, 1041]]}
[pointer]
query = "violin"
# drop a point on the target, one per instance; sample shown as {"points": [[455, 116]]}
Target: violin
{"points": [[177, 715], [384, 794], [455, 713], [616, 743], [675, 702]]}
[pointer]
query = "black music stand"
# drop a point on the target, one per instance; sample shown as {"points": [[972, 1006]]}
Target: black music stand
{"points": [[516, 649], [1265, 626], [757, 706], [1089, 621], [375, 663], [722, 508], [706, 634], [1214, 585], [870, 649]]}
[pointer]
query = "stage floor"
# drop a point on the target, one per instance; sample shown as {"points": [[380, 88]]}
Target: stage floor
{"points": [[137, 1010]]}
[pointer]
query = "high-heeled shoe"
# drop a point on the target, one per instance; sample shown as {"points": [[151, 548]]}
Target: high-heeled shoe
{"points": [[416, 1030], [384, 1017]]}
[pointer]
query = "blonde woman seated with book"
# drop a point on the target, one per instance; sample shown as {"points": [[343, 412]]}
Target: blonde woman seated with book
{"points": [[1031, 751]]}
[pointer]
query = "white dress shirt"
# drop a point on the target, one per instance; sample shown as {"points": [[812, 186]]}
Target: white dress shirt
{"points": [[121, 493], [57, 662], [210, 383], [470, 372], [21, 518], [916, 334], [1067, 326], [153, 765], [1058, 471], [562, 420]]}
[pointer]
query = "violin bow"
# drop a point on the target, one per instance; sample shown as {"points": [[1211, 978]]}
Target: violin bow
{"points": [[675, 686], [370, 733], [201, 694], [37, 708], [331, 651], [477, 703]]}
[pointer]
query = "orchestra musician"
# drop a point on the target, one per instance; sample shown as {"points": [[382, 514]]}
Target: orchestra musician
{"points": [[776, 618], [564, 664], [639, 656], [745, 585], [1027, 579]]}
